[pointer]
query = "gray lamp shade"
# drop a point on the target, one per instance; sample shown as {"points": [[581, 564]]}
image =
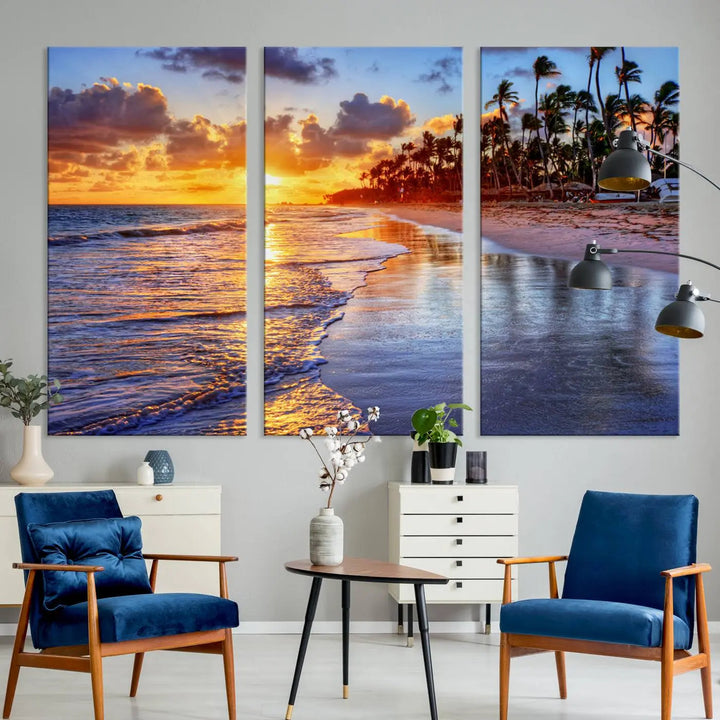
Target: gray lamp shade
{"points": [[625, 169], [682, 318], [591, 274]]}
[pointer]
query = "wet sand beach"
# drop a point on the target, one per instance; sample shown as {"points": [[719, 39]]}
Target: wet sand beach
{"points": [[399, 344], [561, 230]]}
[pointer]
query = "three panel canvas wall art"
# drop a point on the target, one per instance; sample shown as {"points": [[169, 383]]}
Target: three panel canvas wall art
{"points": [[363, 239]]}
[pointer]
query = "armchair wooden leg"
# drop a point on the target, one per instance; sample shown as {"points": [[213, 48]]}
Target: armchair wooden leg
{"points": [[137, 669], [19, 646], [96, 675], [229, 664], [560, 665], [704, 645], [504, 675], [97, 685]]}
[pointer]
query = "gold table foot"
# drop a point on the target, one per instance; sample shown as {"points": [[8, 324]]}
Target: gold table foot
{"points": [[346, 692], [288, 714], [411, 642], [401, 629]]}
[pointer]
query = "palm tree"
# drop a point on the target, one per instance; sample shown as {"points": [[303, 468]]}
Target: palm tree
{"points": [[505, 94], [599, 53], [634, 108], [543, 67], [628, 72]]}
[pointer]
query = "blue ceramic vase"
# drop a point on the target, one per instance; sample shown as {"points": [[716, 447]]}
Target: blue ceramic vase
{"points": [[162, 466]]}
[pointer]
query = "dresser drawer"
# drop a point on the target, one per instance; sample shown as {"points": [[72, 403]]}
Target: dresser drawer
{"points": [[458, 546], [458, 499], [458, 525], [472, 592], [469, 568], [168, 500]]}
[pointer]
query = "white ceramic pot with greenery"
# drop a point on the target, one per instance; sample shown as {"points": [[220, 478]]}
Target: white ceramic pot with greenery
{"points": [[25, 398], [432, 426]]}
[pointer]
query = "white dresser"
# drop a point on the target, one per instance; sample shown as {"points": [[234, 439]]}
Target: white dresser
{"points": [[176, 518], [455, 530]]}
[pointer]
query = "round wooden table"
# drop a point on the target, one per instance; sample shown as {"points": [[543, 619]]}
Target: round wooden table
{"points": [[363, 570]]}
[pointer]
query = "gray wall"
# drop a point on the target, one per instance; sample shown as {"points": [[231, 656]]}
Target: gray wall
{"points": [[269, 483]]}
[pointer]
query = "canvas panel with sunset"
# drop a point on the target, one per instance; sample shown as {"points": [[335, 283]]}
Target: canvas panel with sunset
{"points": [[146, 240], [555, 360], [363, 244]]}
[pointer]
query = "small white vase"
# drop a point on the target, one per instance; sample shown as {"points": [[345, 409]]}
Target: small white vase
{"points": [[326, 538], [32, 468], [145, 474]]}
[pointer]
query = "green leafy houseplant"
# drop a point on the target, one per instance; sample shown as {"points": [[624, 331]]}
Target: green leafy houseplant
{"points": [[26, 397], [430, 423]]}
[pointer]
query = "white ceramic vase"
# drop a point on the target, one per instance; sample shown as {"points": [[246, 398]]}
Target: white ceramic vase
{"points": [[326, 538], [145, 474], [32, 468]]}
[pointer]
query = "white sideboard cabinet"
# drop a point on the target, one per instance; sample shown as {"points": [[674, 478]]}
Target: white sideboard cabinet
{"points": [[456, 530], [176, 518]]}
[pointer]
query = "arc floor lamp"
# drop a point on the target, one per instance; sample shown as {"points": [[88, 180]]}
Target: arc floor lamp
{"points": [[626, 169]]}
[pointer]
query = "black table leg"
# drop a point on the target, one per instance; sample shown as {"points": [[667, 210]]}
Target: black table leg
{"points": [[487, 618], [425, 640], [401, 629], [346, 636], [410, 639], [309, 615]]}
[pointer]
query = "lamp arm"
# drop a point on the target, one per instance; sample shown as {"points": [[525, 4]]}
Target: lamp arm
{"points": [[660, 252], [612, 251], [644, 146]]}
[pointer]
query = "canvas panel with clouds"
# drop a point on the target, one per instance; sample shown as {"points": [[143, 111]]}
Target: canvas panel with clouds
{"points": [[363, 254], [555, 360], [146, 240]]}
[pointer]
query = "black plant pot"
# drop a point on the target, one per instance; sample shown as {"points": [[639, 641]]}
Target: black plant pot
{"points": [[420, 466], [442, 462]]}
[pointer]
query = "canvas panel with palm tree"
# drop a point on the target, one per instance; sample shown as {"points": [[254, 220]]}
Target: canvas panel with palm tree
{"points": [[556, 361], [363, 256]]}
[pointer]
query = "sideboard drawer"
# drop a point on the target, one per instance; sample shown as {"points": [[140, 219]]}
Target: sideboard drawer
{"points": [[458, 525], [166, 500], [473, 568], [461, 499], [457, 546], [456, 591]]}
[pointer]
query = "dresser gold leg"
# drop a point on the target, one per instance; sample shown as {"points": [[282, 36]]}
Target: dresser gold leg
{"points": [[288, 714], [346, 692]]}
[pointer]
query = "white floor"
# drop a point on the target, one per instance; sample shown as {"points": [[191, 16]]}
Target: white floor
{"points": [[386, 681]]}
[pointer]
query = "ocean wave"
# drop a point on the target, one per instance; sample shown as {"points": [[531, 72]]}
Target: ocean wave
{"points": [[136, 422], [148, 231]]}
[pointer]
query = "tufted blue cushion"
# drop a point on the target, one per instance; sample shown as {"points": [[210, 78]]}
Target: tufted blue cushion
{"points": [[113, 543], [597, 620], [137, 617], [623, 541]]}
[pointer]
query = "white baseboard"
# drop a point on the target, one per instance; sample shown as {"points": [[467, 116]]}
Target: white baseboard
{"points": [[361, 627]]}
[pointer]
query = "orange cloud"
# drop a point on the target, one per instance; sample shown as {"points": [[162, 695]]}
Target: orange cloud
{"points": [[440, 125]]}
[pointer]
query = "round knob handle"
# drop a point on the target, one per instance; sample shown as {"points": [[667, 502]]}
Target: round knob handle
{"points": [[158, 497]]}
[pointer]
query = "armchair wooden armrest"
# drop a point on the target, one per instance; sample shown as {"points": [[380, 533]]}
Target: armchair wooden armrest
{"points": [[694, 569], [193, 558], [221, 559], [527, 560], [509, 562], [66, 568]]}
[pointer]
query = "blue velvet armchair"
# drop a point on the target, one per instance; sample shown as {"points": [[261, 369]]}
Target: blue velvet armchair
{"points": [[88, 595], [630, 586]]}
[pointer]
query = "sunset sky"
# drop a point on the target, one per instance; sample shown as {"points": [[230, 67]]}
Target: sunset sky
{"points": [[332, 113], [146, 125], [658, 64]]}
